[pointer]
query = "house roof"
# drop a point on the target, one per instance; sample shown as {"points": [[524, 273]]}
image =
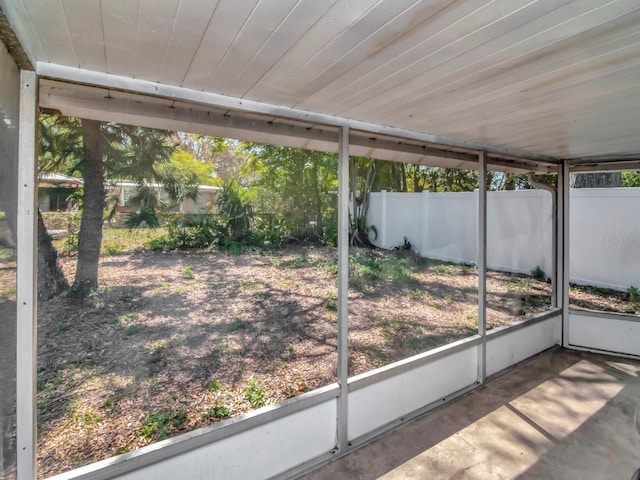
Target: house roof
{"points": [[535, 80], [52, 179], [122, 183]]}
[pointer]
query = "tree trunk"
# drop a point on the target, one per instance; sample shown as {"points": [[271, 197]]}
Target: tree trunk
{"points": [[90, 234], [317, 200], [358, 230], [403, 176], [596, 180], [51, 280]]}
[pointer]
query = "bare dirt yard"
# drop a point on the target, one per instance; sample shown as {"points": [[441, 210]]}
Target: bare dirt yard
{"points": [[178, 340]]}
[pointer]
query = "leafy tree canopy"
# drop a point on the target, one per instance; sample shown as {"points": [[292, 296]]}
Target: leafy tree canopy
{"points": [[631, 179]]}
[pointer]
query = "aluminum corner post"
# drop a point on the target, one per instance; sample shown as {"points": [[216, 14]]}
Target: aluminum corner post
{"points": [[26, 276], [563, 249], [482, 266], [343, 286]]}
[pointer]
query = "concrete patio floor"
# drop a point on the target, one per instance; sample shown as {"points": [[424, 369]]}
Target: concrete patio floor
{"points": [[560, 415]]}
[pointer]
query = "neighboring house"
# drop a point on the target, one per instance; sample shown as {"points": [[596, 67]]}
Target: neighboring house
{"points": [[207, 196], [54, 190]]}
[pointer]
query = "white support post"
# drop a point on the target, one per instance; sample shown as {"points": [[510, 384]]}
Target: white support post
{"points": [[343, 286], [482, 266], [26, 292], [563, 250]]}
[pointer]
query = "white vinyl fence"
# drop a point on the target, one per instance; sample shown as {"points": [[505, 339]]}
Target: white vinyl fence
{"points": [[605, 230]]}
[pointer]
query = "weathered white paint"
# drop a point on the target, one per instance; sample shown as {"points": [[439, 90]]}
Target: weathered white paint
{"points": [[27, 237], [605, 230], [507, 349], [387, 400], [604, 332]]}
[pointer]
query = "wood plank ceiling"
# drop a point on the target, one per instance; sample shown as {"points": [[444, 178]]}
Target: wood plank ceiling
{"points": [[550, 77]]}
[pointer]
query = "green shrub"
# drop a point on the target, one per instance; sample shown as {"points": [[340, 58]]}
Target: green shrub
{"points": [[198, 232], [219, 411], [144, 217], [236, 213], [266, 234], [254, 393], [538, 273]]}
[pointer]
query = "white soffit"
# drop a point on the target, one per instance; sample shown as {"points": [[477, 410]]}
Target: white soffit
{"points": [[551, 77]]}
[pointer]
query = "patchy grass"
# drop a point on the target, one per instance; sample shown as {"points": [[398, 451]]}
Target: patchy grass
{"points": [[116, 241], [238, 325], [158, 425], [367, 268]]}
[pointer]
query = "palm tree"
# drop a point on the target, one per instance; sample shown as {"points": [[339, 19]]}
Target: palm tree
{"points": [[96, 150]]}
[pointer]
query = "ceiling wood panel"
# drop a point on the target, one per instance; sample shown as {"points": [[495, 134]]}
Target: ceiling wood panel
{"points": [[57, 43], [550, 77], [84, 18], [265, 20], [377, 25], [510, 76], [226, 24], [399, 53], [280, 80], [156, 22], [190, 26], [120, 25], [292, 27]]}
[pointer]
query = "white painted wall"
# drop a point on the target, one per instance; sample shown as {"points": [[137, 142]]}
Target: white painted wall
{"points": [[504, 350], [387, 400], [603, 332], [605, 230]]}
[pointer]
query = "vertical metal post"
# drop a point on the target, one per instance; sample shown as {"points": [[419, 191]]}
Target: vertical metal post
{"points": [[482, 266], [26, 277], [558, 246], [343, 285], [554, 248], [563, 251]]}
